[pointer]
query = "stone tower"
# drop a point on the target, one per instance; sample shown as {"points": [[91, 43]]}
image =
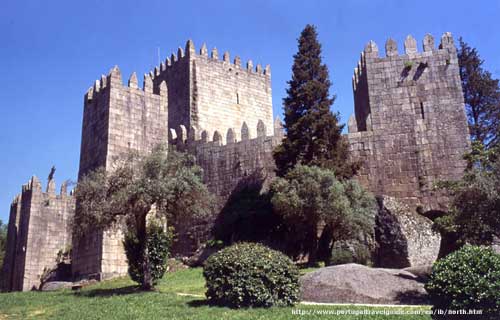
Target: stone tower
{"points": [[409, 126], [190, 94], [116, 118], [38, 231], [209, 94]]}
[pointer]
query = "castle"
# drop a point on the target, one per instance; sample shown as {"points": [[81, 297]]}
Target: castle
{"points": [[409, 129]]}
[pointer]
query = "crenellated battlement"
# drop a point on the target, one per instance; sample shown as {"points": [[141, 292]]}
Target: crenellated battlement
{"points": [[120, 117], [410, 46], [189, 52], [228, 157], [370, 54], [34, 185], [182, 137], [114, 79], [208, 90]]}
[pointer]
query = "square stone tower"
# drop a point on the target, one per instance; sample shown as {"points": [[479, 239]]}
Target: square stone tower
{"points": [[409, 126], [38, 231], [213, 95], [116, 119]]}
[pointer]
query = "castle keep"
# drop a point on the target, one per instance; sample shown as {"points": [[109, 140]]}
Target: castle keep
{"points": [[409, 130]]}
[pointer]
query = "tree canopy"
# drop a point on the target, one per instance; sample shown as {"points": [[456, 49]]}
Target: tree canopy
{"points": [[313, 133], [475, 208], [3, 242], [481, 96], [308, 197], [168, 184]]}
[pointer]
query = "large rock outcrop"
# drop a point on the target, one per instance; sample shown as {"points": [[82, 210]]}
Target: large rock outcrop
{"points": [[404, 237], [354, 283]]}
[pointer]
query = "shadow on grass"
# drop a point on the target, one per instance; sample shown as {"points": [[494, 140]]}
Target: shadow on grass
{"points": [[200, 303], [109, 292], [208, 303]]}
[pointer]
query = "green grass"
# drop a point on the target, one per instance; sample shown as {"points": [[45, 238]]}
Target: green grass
{"points": [[120, 299]]}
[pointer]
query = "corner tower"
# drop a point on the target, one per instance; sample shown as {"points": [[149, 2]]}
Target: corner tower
{"points": [[409, 125], [116, 118], [38, 231]]}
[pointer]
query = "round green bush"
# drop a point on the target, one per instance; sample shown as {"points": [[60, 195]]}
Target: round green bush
{"points": [[467, 279], [251, 275], [158, 245]]}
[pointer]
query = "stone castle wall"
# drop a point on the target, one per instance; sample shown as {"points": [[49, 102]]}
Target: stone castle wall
{"points": [[116, 119], [224, 166], [38, 231], [206, 93], [409, 127]]}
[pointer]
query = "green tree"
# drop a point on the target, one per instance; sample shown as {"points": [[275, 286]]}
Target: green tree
{"points": [[313, 134], [158, 245], [474, 216], [310, 197], [168, 184], [481, 95], [3, 242]]}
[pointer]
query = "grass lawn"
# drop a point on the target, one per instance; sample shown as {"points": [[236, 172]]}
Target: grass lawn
{"points": [[119, 299]]}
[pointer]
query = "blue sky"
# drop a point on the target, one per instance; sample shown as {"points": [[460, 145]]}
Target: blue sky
{"points": [[52, 51]]}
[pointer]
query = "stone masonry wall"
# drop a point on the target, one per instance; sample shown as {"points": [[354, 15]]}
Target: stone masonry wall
{"points": [[224, 166], [38, 230], [175, 72], [410, 127], [215, 95], [116, 119]]}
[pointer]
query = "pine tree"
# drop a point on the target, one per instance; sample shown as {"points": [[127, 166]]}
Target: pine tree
{"points": [[482, 97], [313, 133]]}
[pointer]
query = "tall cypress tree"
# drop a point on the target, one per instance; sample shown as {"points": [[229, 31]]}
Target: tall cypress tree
{"points": [[482, 97], [313, 134]]}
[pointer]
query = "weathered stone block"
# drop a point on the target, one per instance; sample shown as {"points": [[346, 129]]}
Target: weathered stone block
{"points": [[404, 237]]}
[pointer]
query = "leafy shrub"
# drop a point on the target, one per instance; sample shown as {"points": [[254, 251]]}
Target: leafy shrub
{"points": [[251, 275], [408, 64], [309, 196], [466, 279], [340, 256], [215, 244], [474, 215], [349, 252], [158, 247]]}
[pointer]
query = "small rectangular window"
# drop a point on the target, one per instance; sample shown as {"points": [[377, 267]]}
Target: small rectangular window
{"points": [[422, 110]]}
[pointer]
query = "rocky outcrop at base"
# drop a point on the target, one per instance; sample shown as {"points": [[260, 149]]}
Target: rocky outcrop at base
{"points": [[404, 237], [354, 283], [56, 285]]}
